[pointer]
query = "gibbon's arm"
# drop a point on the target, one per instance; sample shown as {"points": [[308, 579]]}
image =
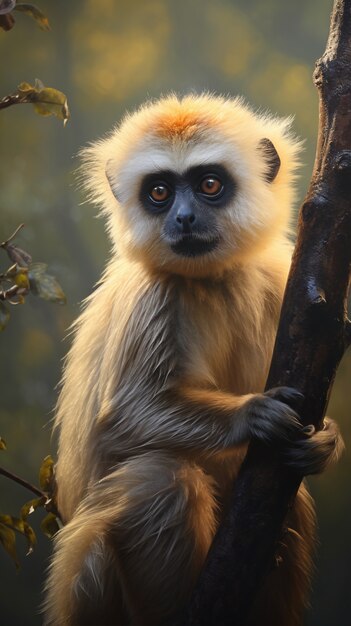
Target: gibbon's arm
{"points": [[195, 421], [149, 405]]}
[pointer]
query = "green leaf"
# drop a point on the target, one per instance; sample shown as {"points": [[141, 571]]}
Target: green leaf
{"points": [[26, 87], [31, 538], [46, 474], [4, 316], [22, 527], [36, 269], [50, 101], [35, 13], [29, 507], [46, 100], [44, 285], [3, 445], [20, 278], [8, 541], [17, 255], [6, 6], [12, 522], [49, 525]]}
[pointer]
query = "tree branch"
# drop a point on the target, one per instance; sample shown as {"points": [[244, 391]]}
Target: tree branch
{"points": [[4, 244], [9, 293], [21, 481], [348, 332], [8, 101], [310, 342]]}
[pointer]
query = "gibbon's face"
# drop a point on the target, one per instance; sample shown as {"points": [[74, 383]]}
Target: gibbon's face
{"points": [[189, 204], [194, 185]]}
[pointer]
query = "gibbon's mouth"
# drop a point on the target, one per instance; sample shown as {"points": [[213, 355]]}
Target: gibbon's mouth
{"points": [[190, 246]]}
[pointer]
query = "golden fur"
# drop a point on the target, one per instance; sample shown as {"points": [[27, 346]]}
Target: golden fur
{"points": [[161, 386]]}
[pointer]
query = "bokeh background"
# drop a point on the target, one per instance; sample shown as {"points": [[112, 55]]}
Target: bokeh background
{"points": [[109, 56]]}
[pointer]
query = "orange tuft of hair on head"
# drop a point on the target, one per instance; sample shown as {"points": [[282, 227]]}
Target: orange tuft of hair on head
{"points": [[180, 124]]}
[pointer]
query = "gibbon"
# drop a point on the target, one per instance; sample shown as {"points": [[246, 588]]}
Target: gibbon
{"points": [[163, 385]]}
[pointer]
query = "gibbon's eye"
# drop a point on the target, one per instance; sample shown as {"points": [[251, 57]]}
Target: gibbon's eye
{"points": [[159, 193], [211, 186]]}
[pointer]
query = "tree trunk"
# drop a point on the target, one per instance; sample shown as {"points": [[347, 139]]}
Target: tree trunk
{"points": [[312, 337]]}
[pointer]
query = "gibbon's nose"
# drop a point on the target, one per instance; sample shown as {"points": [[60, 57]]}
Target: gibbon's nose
{"points": [[185, 219]]}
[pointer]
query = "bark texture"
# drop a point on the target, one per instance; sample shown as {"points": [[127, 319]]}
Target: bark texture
{"points": [[312, 337]]}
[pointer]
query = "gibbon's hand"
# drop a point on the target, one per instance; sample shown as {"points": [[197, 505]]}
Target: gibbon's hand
{"points": [[312, 453], [272, 417]]}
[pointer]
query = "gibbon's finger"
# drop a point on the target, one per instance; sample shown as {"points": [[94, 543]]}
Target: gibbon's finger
{"points": [[316, 450], [293, 397]]}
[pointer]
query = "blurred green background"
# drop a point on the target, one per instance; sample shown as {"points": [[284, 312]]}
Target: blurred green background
{"points": [[109, 56]]}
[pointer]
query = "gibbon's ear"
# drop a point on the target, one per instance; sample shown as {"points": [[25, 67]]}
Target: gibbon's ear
{"points": [[272, 159]]}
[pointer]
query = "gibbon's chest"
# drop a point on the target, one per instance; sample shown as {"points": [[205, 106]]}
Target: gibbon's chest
{"points": [[220, 342], [207, 333]]}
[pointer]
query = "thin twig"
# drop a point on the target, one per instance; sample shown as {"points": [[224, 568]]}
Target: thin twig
{"points": [[5, 243], [9, 293], [24, 483], [8, 101]]}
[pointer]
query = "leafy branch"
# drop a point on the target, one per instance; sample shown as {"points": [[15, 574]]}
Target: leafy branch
{"points": [[16, 282], [11, 526], [45, 100], [24, 277], [7, 19]]}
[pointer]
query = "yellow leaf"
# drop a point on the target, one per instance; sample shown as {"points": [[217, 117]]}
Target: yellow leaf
{"points": [[49, 101], [3, 445], [21, 279], [46, 474], [21, 526], [46, 100], [8, 541], [25, 87], [19, 300], [35, 13], [29, 507], [31, 538], [12, 522], [49, 525], [42, 109], [44, 285]]}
